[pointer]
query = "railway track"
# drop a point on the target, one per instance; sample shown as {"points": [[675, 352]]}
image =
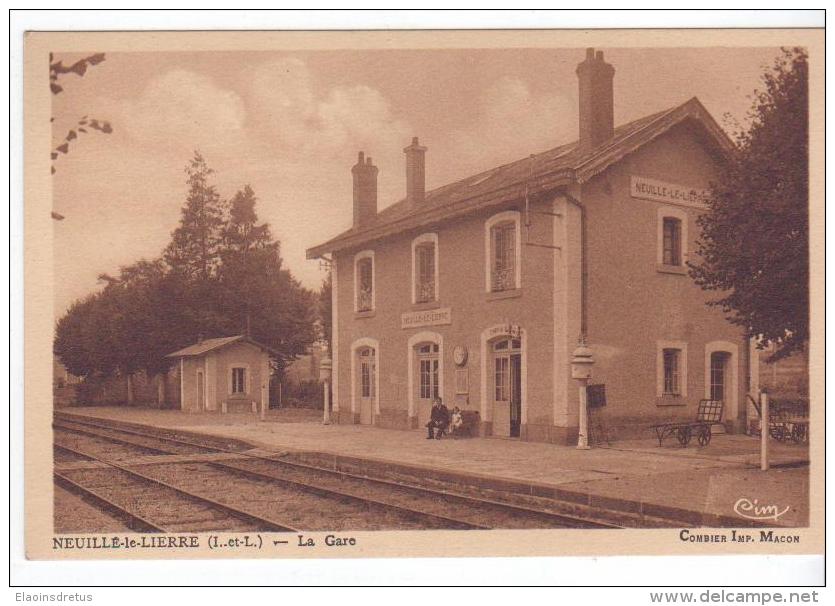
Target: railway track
{"points": [[258, 498], [429, 507], [148, 504]]}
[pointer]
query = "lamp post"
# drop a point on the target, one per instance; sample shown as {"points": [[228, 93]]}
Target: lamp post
{"points": [[325, 367], [581, 363]]}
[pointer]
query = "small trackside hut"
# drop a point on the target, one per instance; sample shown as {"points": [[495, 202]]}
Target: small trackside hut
{"points": [[227, 374]]}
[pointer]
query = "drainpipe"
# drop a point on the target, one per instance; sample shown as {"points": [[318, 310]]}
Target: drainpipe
{"points": [[583, 264]]}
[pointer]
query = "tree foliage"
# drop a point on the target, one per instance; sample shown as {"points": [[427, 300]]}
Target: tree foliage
{"points": [[85, 124], [754, 243], [194, 251], [220, 275]]}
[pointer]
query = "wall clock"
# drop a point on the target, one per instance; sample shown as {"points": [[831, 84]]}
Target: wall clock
{"points": [[459, 355]]}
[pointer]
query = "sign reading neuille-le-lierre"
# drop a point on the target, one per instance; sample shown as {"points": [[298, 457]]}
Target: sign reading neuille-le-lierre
{"points": [[672, 193], [431, 317]]}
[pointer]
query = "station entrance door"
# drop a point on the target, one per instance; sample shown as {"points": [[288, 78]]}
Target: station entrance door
{"points": [[507, 387]]}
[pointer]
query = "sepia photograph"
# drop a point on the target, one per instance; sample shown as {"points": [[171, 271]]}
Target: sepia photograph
{"points": [[318, 293]]}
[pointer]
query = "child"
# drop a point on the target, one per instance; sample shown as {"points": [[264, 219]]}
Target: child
{"points": [[456, 421]]}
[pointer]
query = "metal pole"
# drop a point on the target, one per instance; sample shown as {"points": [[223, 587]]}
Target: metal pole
{"points": [[327, 414], [583, 436], [764, 431]]}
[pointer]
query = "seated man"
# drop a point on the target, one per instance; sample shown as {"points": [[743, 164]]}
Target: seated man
{"points": [[438, 420]]}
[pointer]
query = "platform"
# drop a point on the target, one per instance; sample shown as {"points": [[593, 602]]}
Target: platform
{"points": [[695, 485]]}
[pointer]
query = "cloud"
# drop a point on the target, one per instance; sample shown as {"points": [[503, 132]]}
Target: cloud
{"points": [[293, 112], [183, 109], [511, 122]]}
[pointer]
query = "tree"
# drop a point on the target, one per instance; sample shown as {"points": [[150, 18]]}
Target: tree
{"points": [[259, 297], [57, 69], [195, 244], [754, 243], [221, 275], [81, 338]]}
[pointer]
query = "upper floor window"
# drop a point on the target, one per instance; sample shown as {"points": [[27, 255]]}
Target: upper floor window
{"points": [[425, 269], [672, 239], [364, 281], [503, 252]]}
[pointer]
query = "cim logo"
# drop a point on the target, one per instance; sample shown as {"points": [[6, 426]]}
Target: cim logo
{"points": [[752, 510]]}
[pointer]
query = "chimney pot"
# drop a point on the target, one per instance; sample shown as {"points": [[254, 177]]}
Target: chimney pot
{"points": [[415, 172], [597, 120], [365, 190]]}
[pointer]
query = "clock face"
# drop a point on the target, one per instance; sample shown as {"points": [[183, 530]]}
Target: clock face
{"points": [[459, 355]]}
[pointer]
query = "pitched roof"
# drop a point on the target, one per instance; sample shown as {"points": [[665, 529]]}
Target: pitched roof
{"points": [[208, 345], [539, 172]]}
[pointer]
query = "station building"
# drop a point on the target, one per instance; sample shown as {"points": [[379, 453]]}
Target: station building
{"points": [[478, 291]]}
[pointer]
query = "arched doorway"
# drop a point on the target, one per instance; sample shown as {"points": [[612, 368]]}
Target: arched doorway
{"points": [[719, 375], [367, 384], [722, 377], [426, 375], [428, 384], [506, 386]]}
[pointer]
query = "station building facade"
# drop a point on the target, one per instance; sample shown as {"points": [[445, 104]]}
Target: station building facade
{"points": [[478, 291]]}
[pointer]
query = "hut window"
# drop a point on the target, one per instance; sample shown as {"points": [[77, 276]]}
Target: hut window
{"points": [[239, 380]]}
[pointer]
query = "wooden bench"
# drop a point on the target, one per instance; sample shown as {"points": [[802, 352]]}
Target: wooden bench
{"points": [[708, 414], [469, 425]]}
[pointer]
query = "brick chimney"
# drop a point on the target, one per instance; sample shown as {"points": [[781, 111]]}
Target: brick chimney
{"points": [[415, 172], [597, 119], [365, 190]]}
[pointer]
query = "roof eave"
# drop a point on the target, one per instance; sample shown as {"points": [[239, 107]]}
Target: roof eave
{"points": [[458, 209], [691, 110]]}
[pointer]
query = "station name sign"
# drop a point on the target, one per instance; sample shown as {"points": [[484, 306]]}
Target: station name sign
{"points": [[671, 193], [431, 317]]}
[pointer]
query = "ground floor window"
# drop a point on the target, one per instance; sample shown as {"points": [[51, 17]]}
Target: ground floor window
{"points": [[671, 372], [672, 385]]}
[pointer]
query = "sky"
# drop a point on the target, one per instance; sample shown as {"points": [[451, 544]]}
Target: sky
{"points": [[290, 124]]}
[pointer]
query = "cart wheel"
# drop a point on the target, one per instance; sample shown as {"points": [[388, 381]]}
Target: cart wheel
{"points": [[704, 436], [683, 435]]}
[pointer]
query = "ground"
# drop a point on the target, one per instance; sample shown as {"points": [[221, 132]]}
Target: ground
{"points": [[709, 480]]}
